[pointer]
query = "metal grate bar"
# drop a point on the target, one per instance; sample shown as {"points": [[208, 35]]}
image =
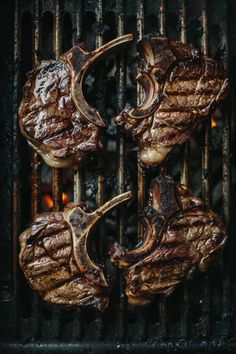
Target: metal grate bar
{"points": [[226, 142], [16, 170], [206, 308], [100, 193], [184, 179], [122, 168], [141, 170], [185, 170], [163, 302], [79, 177], [36, 180], [183, 38], [79, 174], [56, 173], [99, 42], [226, 154], [206, 150], [36, 160], [162, 17], [183, 21], [162, 29]]}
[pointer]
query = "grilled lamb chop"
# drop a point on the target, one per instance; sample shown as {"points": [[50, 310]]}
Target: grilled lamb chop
{"points": [[54, 116], [181, 235], [54, 256], [181, 88]]}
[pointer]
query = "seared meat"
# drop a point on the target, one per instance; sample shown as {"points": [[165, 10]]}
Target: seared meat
{"points": [[54, 256], [181, 235], [54, 116], [181, 88]]}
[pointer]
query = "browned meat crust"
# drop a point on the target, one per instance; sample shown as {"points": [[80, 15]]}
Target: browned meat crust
{"points": [[181, 235], [55, 260], [181, 88], [54, 116]]}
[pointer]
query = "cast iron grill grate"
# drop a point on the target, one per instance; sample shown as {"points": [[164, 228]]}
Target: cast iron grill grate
{"points": [[200, 316]]}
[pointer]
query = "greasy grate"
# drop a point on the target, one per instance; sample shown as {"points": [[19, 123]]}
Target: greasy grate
{"points": [[200, 316]]}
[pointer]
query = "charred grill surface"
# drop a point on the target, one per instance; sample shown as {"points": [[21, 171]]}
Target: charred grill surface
{"points": [[181, 88], [55, 260], [182, 234]]}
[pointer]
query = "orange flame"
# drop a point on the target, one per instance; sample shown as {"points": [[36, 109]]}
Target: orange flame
{"points": [[214, 122], [48, 201], [65, 198]]}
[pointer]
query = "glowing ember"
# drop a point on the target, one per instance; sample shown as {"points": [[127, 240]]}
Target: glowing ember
{"points": [[214, 122], [47, 200], [65, 198]]}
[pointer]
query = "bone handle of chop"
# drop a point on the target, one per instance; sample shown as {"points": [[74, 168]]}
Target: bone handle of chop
{"points": [[88, 112], [162, 203], [81, 224]]}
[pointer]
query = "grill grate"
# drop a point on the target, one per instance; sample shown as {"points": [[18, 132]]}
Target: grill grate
{"points": [[199, 316]]}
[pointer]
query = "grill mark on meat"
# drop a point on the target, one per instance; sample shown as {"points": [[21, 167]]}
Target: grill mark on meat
{"points": [[34, 239], [47, 129], [51, 122], [55, 88], [188, 85], [57, 134], [172, 110], [54, 256], [62, 282], [202, 92], [189, 238]]}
